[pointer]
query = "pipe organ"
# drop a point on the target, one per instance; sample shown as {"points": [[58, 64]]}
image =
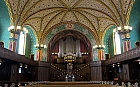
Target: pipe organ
{"points": [[69, 50]]}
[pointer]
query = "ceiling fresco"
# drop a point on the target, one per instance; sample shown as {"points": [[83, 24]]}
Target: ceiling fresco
{"points": [[97, 15]]}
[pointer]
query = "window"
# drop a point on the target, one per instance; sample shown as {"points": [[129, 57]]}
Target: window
{"points": [[117, 44], [19, 70], [21, 43]]}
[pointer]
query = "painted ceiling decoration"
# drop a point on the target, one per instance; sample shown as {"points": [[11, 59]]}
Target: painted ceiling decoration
{"points": [[97, 15], [76, 35], [60, 28]]}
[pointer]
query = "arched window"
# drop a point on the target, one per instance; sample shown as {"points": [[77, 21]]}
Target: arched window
{"points": [[21, 43], [117, 44]]}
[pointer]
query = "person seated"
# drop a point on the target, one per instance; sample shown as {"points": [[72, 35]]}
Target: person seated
{"points": [[1, 44], [137, 43]]}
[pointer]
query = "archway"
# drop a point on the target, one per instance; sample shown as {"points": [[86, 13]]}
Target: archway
{"points": [[70, 54], [66, 26]]}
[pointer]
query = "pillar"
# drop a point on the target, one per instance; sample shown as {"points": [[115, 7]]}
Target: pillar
{"points": [[126, 42], [38, 54], [39, 49], [98, 51], [95, 55], [101, 55], [13, 42]]}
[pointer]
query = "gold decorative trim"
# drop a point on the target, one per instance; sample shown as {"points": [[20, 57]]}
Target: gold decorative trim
{"points": [[53, 27], [31, 27], [129, 11], [106, 31], [9, 11]]}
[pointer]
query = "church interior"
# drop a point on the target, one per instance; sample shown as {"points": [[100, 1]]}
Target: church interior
{"points": [[69, 40]]}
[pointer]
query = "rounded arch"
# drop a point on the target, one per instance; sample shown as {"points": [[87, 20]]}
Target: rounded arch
{"points": [[32, 39], [63, 26], [73, 33], [85, 31], [107, 37]]}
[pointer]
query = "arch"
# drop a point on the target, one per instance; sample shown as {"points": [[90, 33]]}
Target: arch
{"points": [[33, 40], [64, 27]]}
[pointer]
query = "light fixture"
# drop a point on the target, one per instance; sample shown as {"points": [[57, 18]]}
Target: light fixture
{"points": [[26, 66], [40, 46], [20, 65], [85, 53], [0, 63], [99, 47], [124, 30], [113, 65], [118, 65], [15, 29], [54, 53], [138, 60]]}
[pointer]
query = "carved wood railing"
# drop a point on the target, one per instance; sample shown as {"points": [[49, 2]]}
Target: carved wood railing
{"points": [[10, 55], [131, 54]]}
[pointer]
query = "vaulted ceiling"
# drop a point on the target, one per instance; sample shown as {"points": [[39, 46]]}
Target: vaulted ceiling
{"points": [[97, 15]]}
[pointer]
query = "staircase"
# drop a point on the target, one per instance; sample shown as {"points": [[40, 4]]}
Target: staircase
{"points": [[81, 72], [59, 73]]}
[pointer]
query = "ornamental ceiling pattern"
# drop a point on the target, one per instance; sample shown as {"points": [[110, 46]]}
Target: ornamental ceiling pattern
{"points": [[97, 15]]}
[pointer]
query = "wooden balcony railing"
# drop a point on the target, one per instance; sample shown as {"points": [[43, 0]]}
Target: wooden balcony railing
{"points": [[10, 55], [131, 54]]}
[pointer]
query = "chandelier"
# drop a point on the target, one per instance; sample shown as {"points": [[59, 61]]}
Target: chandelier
{"points": [[124, 30], [99, 47], [15, 29], [40, 46]]}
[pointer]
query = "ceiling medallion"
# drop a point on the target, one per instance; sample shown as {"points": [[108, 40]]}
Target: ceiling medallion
{"points": [[69, 26]]}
